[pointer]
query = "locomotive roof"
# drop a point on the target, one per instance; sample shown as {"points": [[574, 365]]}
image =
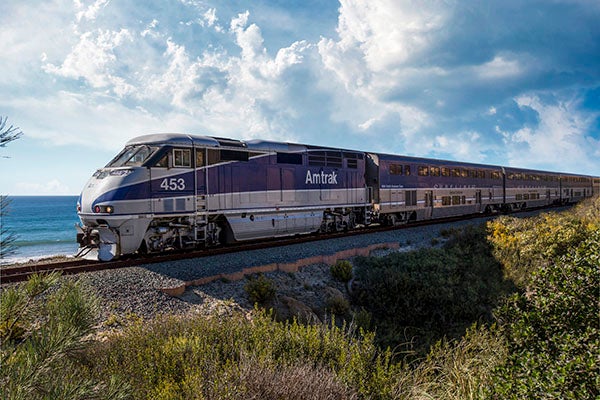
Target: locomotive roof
{"points": [[176, 139]]}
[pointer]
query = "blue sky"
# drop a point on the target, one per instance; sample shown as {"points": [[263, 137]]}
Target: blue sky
{"points": [[502, 82]]}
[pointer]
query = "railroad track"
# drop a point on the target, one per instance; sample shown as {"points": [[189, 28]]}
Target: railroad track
{"points": [[19, 273]]}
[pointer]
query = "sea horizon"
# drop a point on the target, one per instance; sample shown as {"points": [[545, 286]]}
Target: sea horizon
{"points": [[44, 225]]}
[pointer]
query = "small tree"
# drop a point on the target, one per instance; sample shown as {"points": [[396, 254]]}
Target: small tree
{"points": [[43, 327], [7, 238]]}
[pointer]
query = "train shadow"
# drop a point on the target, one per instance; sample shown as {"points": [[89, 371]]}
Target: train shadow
{"points": [[416, 299]]}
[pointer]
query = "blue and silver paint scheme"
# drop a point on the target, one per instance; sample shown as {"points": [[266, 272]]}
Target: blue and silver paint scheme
{"points": [[156, 205]]}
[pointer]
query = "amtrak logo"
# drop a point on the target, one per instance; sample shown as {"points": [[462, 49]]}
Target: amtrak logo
{"points": [[317, 178]]}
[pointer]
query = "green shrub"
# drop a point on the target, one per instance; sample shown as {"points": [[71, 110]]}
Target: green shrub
{"points": [[44, 325], [553, 330], [342, 270], [260, 289], [421, 296], [524, 245], [240, 357], [338, 305]]}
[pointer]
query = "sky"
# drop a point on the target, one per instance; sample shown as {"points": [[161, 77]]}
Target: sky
{"points": [[504, 82]]}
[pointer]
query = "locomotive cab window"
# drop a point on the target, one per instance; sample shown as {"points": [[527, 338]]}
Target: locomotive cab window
{"points": [[163, 162], [182, 158], [132, 156], [199, 158]]}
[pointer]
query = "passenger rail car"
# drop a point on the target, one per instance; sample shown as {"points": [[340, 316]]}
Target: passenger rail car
{"points": [[167, 191]]}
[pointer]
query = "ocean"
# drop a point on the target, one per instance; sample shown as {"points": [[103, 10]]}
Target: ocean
{"points": [[45, 226]]}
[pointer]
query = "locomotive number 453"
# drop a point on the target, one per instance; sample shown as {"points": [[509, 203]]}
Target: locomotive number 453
{"points": [[173, 184]]}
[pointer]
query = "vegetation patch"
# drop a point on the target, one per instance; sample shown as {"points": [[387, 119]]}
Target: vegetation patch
{"points": [[507, 310], [342, 270], [417, 298], [260, 289]]}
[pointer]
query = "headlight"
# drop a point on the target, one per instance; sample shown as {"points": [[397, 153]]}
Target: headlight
{"points": [[104, 209]]}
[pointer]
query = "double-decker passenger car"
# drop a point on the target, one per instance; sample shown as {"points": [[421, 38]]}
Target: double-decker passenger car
{"points": [[167, 191]]}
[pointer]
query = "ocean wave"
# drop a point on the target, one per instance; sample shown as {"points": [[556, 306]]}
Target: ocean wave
{"points": [[42, 242]]}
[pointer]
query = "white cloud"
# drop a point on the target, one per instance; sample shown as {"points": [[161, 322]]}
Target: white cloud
{"points": [[499, 67], [94, 60], [558, 140], [91, 11]]}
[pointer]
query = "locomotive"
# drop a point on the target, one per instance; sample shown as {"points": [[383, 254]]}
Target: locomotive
{"points": [[176, 191]]}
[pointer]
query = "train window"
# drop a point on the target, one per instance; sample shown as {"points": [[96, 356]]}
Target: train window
{"points": [[199, 158], [464, 173], [132, 156], [455, 172], [213, 156], [481, 174], [289, 158], [233, 155], [182, 158], [423, 170], [446, 200], [163, 162], [434, 171], [472, 173], [455, 200], [395, 169], [445, 171], [407, 170]]}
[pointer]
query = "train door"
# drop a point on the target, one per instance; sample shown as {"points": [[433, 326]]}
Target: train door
{"points": [[429, 204], [478, 201]]}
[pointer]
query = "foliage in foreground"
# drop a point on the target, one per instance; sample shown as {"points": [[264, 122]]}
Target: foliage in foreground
{"points": [[553, 330], [236, 357], [426, 295], [43, 330], [526, 244]]}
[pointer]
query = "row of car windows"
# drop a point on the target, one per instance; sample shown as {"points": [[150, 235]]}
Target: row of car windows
{"points": [[427, 170]]}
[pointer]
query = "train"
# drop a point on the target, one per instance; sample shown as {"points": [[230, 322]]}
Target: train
{"points": [[177, 191]]}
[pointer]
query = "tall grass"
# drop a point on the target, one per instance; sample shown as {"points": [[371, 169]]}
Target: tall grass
{"points": [[221, 358]]}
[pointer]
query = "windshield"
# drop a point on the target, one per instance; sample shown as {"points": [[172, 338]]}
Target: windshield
{"points": [[132, 156]]}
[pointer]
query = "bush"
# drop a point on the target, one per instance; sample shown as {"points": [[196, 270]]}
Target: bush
{"points": [[260, 290], [553, 331], [421, 296], [459, 369], [342, 270], [338, 305], [524, 245], [44, 326], [241, 357]]}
